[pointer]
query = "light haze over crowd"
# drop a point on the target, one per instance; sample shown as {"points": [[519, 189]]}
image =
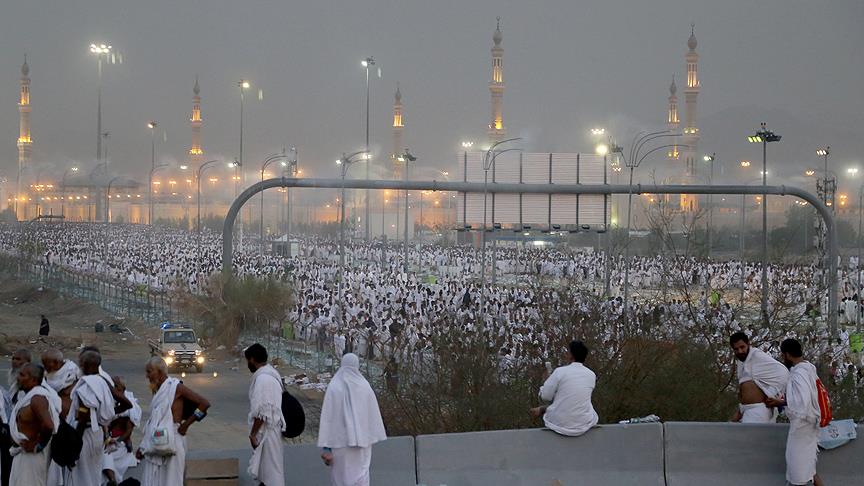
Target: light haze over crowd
{"points": [[568, 66]]}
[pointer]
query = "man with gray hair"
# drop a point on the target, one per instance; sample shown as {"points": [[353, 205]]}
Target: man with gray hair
{"points": [[61, 375], [94, 405], [35, 419], [163, 448]]}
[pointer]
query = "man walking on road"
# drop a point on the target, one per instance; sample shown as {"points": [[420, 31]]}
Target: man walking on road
{"points": [[265, 415]]}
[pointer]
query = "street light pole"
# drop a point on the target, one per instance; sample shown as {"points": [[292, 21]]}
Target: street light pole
{"points": [[405, 158], [367, 63], [344, 163], [198, 217], [150, 187], [488, 161], [243, 85], [152, 126], [267, 162], [764, 136], [63, 203]]}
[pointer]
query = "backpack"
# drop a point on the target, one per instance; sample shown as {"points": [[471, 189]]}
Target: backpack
{"points": [[66, 445], [295, 417], [825, 415]]}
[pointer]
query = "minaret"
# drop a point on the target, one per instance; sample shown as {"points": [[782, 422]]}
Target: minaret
{"points": [[691, 93], [25, 143], [672, 122], [497, 131], [196, 153], [398, 127]]}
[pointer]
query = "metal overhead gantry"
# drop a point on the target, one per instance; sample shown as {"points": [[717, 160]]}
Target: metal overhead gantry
{"points": [[497, 188]]}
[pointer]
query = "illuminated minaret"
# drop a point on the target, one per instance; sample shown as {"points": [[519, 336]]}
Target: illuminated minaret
{"points": [[497, 131], [25, 143], [196, 153], [672, 121], [691, 93], [398, 127]]}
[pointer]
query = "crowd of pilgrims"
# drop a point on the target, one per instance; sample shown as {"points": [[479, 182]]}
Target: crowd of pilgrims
{"points": [[380, 301]]}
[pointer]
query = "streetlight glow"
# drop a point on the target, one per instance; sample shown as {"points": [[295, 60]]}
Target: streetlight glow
{"points": [[243, 84], [745, 163], [823, 151], [852, 171], [601, 149], [598, 131], [809, 172], [467, 144]]}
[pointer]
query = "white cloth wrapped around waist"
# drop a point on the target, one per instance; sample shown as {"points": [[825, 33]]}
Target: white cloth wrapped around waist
{"points": [[54, 405]]}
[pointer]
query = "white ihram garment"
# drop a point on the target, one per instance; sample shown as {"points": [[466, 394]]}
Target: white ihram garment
{"points": [[769, 375], [31, 468], [163, 470], [350, 423], [64, 377], [802, 408], [93, 392], [266, 466], [569, 389]]}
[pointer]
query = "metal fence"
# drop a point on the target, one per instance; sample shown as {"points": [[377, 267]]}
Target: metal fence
{"points": [[137, 302]]}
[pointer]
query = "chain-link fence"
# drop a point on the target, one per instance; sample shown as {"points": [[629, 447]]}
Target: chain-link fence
{"points": [[131, 301]]}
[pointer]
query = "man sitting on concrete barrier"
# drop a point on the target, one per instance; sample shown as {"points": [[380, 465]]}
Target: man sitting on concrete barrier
{"points": [[759, 376], [569, 389], [802, 408]]}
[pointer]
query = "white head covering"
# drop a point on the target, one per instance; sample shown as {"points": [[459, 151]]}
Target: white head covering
{"points": [[350, 416]]}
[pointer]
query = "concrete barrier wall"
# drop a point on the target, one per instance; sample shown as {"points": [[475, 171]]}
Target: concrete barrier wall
{"points": [[673, 454], [614, 455], [709, 454], [393, 464]]}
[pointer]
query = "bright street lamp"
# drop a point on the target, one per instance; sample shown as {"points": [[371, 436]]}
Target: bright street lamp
{"points": [[852, 171], [598, 131], [764, 136], [745, 163], [467, 144], [601, 149]]}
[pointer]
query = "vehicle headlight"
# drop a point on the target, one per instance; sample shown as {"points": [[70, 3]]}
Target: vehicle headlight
{"points": [[197, 352], [169, 360], [171, 352], [200, 359]]}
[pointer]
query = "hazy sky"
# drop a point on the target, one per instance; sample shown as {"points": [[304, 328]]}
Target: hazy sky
{"points": [[568, 65]]}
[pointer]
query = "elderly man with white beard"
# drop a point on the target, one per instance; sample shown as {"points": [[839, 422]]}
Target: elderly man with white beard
{"points": [[759, 377], [266, 466], [163, 448], [94, 405]]}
